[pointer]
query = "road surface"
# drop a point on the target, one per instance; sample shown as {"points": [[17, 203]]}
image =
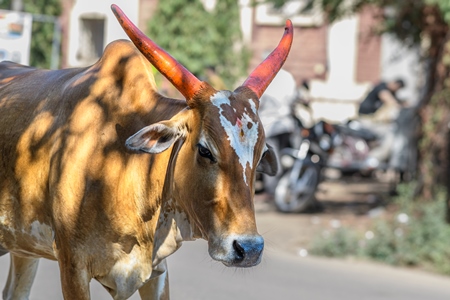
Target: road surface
{"points": [[281, 275]]}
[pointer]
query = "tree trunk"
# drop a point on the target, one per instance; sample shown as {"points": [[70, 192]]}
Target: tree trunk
{"points": [[434, 164]]}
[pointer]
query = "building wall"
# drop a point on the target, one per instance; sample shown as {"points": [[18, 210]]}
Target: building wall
{"points": [[399, 61], [368, 66], [312, 56], [64, 20], [146, 9], [308, 56], [309, 59], [94, 10]]}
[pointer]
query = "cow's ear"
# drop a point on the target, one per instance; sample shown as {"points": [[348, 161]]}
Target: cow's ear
{"points": [[154, 138], [268, 163]]}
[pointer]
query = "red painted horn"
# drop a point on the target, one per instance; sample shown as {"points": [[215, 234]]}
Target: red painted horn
{"points": [[176, 73], [262, 76]]}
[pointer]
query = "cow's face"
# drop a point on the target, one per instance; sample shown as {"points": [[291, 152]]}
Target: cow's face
{"points": [[231, 146], [220, 146], [223, 145]]}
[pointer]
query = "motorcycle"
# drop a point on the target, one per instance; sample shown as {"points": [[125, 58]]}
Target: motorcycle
{"points": [[302, 167], [344, 147], [352, 147], [354, 142]]}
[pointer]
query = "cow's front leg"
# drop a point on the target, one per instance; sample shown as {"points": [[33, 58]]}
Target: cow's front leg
{"points": [[20, 278], [157, 288], [74, 281]]}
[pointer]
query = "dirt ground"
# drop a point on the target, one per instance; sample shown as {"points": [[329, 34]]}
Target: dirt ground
{"points": [[342, 201]]}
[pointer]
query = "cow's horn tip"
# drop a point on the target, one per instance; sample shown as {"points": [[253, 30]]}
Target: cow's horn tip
{"points": [[288, 25]]}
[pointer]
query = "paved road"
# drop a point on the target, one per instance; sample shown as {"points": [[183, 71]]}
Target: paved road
{"points": [[285, 276], [281, 275]]}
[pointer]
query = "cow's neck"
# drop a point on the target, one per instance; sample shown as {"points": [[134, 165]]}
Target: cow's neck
{"points": [[172, 229], [173, 226]]}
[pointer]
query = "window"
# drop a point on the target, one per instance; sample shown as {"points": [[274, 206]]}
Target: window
{"points": [[296, 10], [92, 33]]}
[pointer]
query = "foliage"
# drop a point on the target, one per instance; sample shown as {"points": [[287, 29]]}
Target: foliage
{"points": [[406, 19], [41, 43], [5, 4], [444, 6], [416, 234], [342, 242], [198, 38], [42, 33]]}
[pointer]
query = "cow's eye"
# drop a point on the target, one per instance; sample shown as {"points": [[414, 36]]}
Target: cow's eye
{"points": [[204, 152]]}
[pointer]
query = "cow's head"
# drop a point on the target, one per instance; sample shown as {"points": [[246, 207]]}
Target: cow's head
{"points": [[223, 145]]}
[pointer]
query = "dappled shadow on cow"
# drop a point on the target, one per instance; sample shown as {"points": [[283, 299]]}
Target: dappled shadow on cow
{"points": [[108, 177]]}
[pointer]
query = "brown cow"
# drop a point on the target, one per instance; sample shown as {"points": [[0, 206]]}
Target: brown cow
{"points": [[108, 177]]}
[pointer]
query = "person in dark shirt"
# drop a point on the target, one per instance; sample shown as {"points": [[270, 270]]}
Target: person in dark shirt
{"points": [[382, 93], [382, 121]]}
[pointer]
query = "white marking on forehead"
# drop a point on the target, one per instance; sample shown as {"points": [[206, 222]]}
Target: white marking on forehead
{"points": [[242, 138], [253, 106]]}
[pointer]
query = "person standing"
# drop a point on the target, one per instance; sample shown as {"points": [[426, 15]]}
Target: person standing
{"points": [[379, 112]]}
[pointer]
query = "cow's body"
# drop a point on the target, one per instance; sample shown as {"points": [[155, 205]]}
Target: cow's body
{"points": [[76, 188], [66, 175]]}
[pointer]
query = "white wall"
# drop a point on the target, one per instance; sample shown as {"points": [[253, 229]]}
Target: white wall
{"points": [[336, 98], [397, 61], [98, 9]]}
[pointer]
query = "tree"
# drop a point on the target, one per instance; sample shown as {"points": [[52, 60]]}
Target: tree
{"points": [[42, 32], [5, 4], [199, 38]]}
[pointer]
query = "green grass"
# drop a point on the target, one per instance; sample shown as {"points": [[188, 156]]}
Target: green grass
{"points": [[416, 234]]}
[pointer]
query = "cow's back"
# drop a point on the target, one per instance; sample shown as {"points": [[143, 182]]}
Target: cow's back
{"points": [[64, 167]]}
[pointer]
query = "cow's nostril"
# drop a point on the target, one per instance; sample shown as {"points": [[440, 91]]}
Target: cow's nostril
{"points": [[240, 252]]}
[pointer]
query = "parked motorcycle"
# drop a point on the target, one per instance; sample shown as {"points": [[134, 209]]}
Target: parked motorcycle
{"points": [[302, 167], [352, 147], [354, 142], [344, 147]]}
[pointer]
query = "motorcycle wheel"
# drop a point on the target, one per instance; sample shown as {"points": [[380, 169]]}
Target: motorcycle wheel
{"points": [[295, 199]]}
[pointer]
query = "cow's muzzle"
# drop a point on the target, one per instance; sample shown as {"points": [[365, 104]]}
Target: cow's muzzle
{"points": [[238, 251]]}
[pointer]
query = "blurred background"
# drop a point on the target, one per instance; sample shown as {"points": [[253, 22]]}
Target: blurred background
{"points": [[344, 200]]}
